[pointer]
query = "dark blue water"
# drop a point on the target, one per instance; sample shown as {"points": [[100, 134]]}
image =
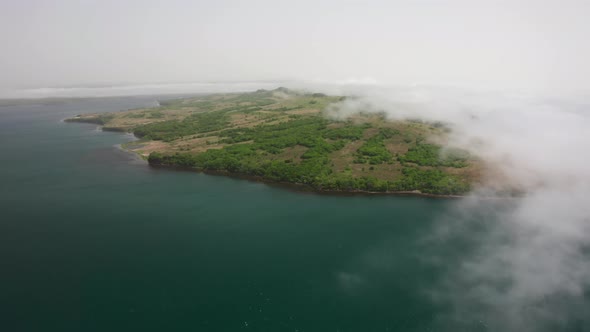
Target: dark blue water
{"points": [[92, 239]]}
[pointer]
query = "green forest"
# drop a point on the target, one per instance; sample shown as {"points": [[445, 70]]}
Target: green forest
{"points": [[251, 152]]}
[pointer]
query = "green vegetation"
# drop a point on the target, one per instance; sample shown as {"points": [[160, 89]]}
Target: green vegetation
{"points": [[315, 172], [314, 168], [348, 132], [431, 181], [431, 155], [374, 151], [173, 129], [274, 138], [283, 136]]}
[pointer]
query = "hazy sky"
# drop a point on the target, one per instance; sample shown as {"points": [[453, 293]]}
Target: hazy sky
{"points": [[528, 43]]}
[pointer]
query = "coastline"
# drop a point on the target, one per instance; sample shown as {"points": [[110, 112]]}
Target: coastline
{"points": [[420, 179], [301, 187], [304, 188], [295, 187], [298, 187], [122, 146]]}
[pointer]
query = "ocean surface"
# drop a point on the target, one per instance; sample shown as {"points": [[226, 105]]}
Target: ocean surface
{"points": [[93, 239]]}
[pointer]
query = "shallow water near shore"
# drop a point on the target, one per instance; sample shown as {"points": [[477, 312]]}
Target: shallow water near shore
{"points": [[93, 239]]}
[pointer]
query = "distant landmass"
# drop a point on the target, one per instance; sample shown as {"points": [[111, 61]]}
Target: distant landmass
{"points": [[287, 137]]}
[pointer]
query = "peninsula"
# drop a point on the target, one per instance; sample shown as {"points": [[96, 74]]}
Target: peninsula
{"points": [[287, 137]]}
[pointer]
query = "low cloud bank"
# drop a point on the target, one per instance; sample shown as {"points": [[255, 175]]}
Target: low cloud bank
{"points": [[530, 269]]}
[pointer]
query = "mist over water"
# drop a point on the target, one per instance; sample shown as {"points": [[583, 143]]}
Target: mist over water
{"points": [[511, 264], [533, 257]]}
